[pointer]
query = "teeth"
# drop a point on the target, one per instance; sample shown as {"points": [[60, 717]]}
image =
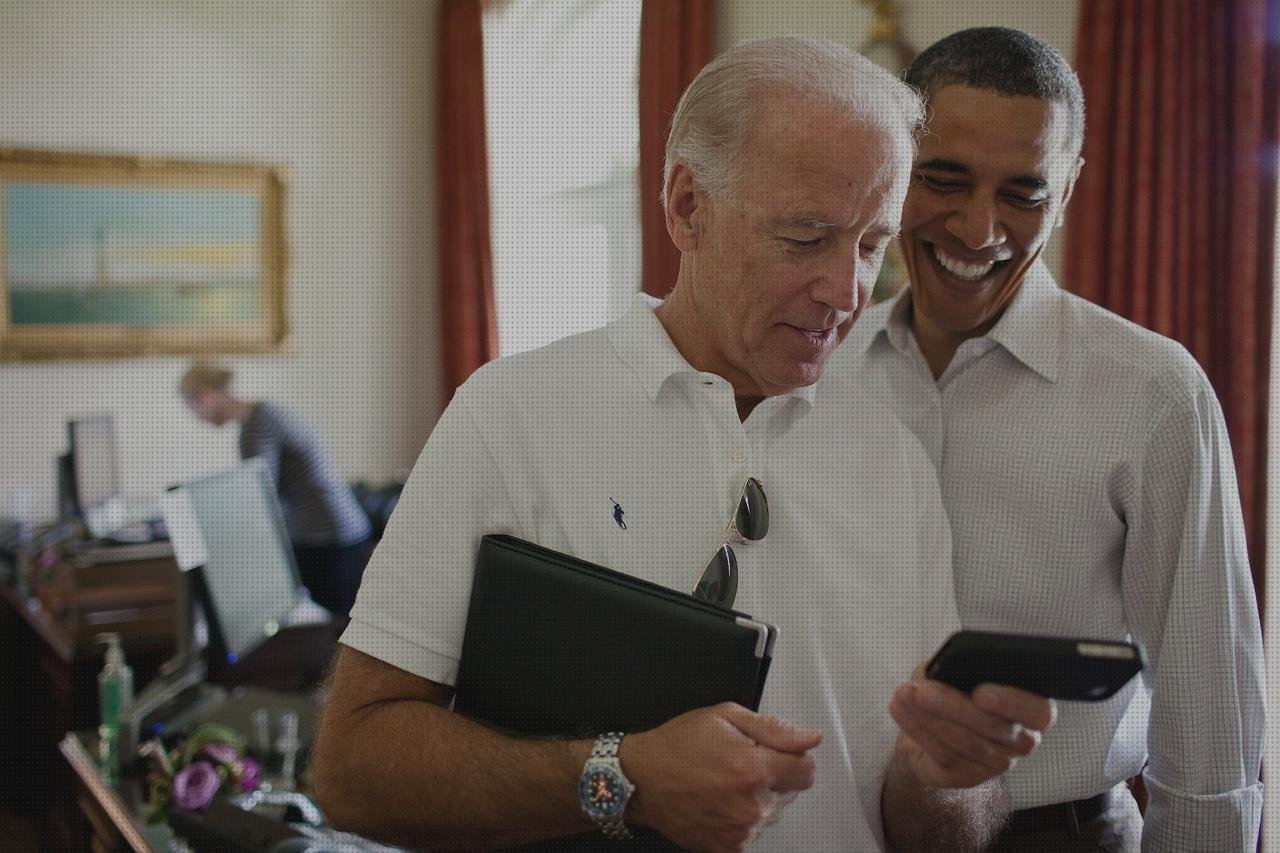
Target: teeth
{"points": [[961, 270]]}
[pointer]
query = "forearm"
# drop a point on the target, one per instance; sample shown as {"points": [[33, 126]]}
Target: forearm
{"points": [[416, 774], [918, 817]]}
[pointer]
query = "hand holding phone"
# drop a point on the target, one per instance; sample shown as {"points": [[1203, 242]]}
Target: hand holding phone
{"points": [[1054, 667]]}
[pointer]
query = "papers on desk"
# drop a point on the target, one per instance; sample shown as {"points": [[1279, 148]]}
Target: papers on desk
{"points": [[105, 518], [335, 841], [189, 549]]}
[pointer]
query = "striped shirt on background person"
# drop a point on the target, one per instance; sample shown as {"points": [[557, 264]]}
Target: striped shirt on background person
{"points": [[319, 507]]}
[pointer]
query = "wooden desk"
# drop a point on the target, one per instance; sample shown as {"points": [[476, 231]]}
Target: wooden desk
{"points": [[128, 589], [51, 659], [110, 810]]}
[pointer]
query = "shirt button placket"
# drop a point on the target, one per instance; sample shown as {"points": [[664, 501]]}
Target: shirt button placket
{"points": [[940, 425], [724, 431]]}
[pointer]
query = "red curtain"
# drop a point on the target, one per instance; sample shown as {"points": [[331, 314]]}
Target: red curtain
{"points": [[1173, 221], [675, 42], [468, 322]]}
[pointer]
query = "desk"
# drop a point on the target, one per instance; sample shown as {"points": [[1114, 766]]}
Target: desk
{"points": [[113, 809], [127, 589], [50, 662]]}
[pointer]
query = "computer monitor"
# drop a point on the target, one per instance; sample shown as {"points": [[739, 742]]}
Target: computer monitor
{"points": [[68, 504], [94, 475], [249, 582]]}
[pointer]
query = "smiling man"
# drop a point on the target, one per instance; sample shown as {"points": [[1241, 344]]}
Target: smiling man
{"points": [[786, 168], [993, 177], [1084, 464]]}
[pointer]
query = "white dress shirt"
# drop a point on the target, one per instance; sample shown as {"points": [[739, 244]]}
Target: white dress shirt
{"points": [[854, 571], [1088, 478]]}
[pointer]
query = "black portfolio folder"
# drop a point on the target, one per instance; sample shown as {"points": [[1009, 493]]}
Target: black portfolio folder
{"points": [[559, 647]]}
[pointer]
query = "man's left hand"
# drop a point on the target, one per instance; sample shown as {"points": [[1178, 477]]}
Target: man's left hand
{"points": [[950, 740]]}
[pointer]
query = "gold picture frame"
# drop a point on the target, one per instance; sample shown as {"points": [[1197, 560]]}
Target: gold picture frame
{"points": [[107, 257]]}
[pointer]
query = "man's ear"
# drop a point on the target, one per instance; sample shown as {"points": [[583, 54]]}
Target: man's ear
{"points": [[684, 207], [1066, 196]]}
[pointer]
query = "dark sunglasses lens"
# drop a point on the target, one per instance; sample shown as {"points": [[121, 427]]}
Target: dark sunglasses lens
{"points": [[719, 584], [752, 519]]}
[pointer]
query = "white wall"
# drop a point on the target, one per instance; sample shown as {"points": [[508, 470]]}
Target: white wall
{"points": [[923, 22], [340, 93]]}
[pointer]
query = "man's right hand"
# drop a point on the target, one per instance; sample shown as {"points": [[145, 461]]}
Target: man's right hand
{"points": [[953, 740], [704, 779]]}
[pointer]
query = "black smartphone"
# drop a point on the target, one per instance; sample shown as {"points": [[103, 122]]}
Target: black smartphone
{"points": [[1054, 667]]}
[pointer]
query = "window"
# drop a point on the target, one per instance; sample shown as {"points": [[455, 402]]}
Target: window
{"points": [[561, 108]]}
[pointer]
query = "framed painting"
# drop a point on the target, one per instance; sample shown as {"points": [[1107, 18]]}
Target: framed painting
{"points": [[116, 256]]}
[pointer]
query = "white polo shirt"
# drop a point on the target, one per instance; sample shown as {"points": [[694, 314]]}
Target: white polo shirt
{"points": [[854, 572]]}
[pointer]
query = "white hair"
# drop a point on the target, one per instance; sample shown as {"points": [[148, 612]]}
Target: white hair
{"points": [[718, 107]]}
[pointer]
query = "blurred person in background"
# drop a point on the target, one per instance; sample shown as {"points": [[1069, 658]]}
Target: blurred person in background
{"points": [[330, 531]]}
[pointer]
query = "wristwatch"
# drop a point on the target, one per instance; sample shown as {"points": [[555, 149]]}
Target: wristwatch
{"points": [[603, 789]]}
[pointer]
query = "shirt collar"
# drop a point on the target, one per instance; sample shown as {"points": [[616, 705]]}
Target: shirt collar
{"points": [[642, 342], [1030, 329], [886, 321]]}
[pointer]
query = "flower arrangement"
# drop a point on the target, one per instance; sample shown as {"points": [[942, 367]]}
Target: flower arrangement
{"points": [[188, 776]]}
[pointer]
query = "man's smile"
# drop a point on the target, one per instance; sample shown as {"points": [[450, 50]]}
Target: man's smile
{"points": [[972, 271]]}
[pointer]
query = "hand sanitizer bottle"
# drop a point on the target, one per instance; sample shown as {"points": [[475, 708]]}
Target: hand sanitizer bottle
{"points": [[115, 690]]}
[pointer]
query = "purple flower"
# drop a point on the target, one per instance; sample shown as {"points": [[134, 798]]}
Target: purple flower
{"points": [[195, 785], [249, 774], [220, 753]]}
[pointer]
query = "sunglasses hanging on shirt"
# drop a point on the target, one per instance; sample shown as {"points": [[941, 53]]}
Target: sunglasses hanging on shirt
{"points": [[750, 523]]}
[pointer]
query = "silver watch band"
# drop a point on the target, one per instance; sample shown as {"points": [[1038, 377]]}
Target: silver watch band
{"points": [[606, 746], [606, 749]]}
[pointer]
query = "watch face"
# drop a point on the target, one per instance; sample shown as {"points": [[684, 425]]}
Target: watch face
{"points": [[603, 792]]}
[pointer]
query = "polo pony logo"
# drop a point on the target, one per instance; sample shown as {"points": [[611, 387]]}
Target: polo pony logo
{"points": [[617, 515]]}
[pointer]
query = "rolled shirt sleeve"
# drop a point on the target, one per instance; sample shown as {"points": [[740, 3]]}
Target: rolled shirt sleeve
{"points": [[1189, 596]]}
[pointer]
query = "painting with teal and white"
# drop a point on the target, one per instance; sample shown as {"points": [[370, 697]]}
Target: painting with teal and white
{"points": [[132, 256]]}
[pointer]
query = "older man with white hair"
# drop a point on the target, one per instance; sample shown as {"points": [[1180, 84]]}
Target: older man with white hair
{"points": [[787, 166]]}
